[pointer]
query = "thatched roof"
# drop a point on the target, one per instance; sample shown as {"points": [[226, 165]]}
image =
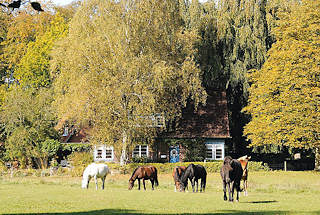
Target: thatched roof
{"points": [[208, 121]]}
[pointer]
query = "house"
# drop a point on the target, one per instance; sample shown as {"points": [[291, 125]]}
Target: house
{"points": [[209, 122]]}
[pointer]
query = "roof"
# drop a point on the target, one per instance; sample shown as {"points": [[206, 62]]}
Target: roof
{"points": [[208, 121], [75, 136]]}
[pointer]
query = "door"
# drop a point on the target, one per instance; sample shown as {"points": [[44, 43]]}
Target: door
{"points": [[174, 154]]}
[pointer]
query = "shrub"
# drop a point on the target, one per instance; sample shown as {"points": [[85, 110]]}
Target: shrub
{"points": [[211, 167], [79, 161]]}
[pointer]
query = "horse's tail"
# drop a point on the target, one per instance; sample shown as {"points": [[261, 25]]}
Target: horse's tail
{"points": [[156, 176]]}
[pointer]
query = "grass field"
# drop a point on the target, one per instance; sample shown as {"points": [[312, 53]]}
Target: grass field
{"points": [[269, 193]]}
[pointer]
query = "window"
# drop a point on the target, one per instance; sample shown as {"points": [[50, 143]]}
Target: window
{"points": [[109, 153], [103, 153], [215, 151], [99, 153], [140, 151]]}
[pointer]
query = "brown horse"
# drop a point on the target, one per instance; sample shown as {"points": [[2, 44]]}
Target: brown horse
{"points": [[231, 173], [144, 173], [244, 164], [177, 172]]}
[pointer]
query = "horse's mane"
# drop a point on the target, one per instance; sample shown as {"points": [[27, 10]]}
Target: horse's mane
{"points": [[134, 171]]}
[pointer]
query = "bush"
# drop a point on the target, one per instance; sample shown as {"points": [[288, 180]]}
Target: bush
{"points": [[211, 167], [79, 161]]}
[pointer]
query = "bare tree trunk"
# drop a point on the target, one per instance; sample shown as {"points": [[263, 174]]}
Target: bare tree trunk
{"points": [[123, 158], [317, 159]]}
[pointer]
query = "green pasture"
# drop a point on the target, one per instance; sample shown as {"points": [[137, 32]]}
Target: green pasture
{"points": [[269, 193]]}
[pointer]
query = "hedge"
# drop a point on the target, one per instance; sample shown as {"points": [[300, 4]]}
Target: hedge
{"points": [[166, 168]]}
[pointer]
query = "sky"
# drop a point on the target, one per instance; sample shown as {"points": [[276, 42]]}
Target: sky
{"points": [[62, 2]]}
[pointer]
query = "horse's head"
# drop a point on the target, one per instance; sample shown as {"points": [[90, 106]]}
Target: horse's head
{"points": [[131, 183]]}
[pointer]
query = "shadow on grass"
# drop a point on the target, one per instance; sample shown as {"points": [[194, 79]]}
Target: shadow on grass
{"points": [[260, 202], [133, 212]]}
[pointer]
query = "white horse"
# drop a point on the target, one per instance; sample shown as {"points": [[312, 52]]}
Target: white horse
{"points": [[95, 171]]}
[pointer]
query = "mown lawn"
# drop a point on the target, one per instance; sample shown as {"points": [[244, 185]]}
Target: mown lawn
{"points": [[269, 193]]}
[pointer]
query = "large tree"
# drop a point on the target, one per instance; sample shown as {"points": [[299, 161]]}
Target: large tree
{"points": [[28, 120], [285, 94], [122, 63], [242, 45]]}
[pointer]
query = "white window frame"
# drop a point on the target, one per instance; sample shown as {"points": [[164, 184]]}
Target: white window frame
{"points": [[139, 154], [104, 149], [214, 147], [112, 153]]}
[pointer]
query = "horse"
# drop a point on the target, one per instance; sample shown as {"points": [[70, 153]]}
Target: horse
{"points": [[231, 174], [244, 164], [194, 173], [144, 173], [95, 170], [177, 172]]}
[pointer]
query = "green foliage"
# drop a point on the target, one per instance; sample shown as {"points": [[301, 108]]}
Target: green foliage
{"points": [[195, 150], [77, 147], [50, 147], [28, 123], [79, 161], [118, 68], [284, 97], [33, 69], [167, 168]]}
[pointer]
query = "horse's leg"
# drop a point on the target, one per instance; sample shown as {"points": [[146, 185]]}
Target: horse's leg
{"points": [[144, 184], [238, 190], [152, 183], [139, 183], [196, 181], [202, 187], [192, 184], [224, 191], [103, 180], [231, 192], [96, 181], [245, 183]]}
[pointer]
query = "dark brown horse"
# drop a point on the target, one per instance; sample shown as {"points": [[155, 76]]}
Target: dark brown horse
{"points": [[244, 164], [144, 173], [194, 173], [231, 174], [177, 172]]}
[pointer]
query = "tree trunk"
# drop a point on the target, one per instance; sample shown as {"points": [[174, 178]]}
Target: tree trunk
{"points": [[317, 159], [123, 158]]}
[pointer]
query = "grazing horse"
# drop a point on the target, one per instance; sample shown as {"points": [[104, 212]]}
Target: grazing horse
{"points": [[231, 174], [144, 173], [177, 172], [244, 164], [194, 173], [95, 171]]}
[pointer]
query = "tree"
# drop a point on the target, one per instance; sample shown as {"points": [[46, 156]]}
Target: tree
{"points": [[285, 93], [33, 68], [28, 121], [242, 45], [122, 63]]}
